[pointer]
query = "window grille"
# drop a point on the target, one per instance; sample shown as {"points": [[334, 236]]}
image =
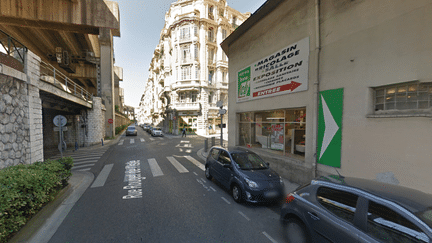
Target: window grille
{"points": [[406, 96]]}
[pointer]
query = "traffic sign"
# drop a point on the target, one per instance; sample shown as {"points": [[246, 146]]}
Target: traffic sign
{"points": [[60, 121], [110, 121]]}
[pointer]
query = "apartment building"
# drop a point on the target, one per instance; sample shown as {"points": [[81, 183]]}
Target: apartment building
{"points": [[188, 72]]}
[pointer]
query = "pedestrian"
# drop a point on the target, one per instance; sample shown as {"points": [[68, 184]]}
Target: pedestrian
{"points": [[184, 132]]}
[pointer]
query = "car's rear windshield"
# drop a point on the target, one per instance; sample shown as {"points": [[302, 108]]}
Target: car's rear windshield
{"points": [[131, 128], [249, 161], [426, 216]]}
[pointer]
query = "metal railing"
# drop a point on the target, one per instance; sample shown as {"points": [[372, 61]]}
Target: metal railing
{"points": [[13, 47], [53, 76]]}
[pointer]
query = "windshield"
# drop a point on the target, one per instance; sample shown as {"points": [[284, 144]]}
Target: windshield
{"points": [[249, 161], [131, 128], [158, 129]]}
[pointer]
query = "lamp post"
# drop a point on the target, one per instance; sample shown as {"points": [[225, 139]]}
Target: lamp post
{"points": [[221, 112]]}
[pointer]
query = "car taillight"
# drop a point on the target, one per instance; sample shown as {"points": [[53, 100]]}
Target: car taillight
{"points": [[289, 198]]}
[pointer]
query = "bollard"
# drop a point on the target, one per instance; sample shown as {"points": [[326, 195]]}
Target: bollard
{"points": [[206, 145], [213, 139], [102, 141], [76, 146]]}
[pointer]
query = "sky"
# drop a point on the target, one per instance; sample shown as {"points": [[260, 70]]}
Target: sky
{"points": [[141, 22]]}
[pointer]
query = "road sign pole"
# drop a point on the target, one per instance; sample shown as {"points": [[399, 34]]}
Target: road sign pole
{"points": [[221, 130]]}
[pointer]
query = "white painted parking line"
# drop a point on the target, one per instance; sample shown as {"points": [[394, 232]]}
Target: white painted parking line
{"points": [[177, 165], [212, 188], [244, 216], [103, 176], [142, 139], [195, 162], [155, 169], [85, 169], [82, 166], [226, 200], [269, 237], [152, 139], [132, 140], [195, 173]]}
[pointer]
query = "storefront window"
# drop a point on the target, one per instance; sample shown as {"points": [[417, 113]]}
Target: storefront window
{"points": [[278, 131]]}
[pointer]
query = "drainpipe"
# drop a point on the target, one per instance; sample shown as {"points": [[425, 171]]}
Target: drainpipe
{"points": [[316, 88]]}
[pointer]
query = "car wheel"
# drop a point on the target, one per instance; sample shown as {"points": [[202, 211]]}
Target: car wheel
{"points": [[207, 173], [236, 193], [295, 231]]}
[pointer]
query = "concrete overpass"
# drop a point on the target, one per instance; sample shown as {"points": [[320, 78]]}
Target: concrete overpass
{"points": [[63, 53]]}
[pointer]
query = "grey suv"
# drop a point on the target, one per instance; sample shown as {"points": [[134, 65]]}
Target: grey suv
{"points": [[345, 209], [243, 172]]}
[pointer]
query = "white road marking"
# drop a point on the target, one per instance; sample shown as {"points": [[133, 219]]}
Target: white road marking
{"points": [[103, 176], [195, 162], [142, 140], [212, 189], [89, 161], [161, 139], [184, 141], [82, 166], [133, 177], [132, 140], [85, 169], [269, 237], [177, 165], [242, 214], [155, 169], [226, 200], [152, 139], [202, 179], [195, 173], [121, 142]]}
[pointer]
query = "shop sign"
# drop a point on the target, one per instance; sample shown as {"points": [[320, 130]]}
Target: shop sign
{"points": [[283, 72], [330, 127]]}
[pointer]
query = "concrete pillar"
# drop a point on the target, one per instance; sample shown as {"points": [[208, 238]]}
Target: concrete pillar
{"points": [[107, 78]]}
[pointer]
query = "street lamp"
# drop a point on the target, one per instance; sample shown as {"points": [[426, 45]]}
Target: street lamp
{"points": [[221, 112]]}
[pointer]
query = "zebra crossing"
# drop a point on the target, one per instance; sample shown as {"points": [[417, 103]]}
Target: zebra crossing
{"points": [[142, 140], [84, 159], [156, 170]]}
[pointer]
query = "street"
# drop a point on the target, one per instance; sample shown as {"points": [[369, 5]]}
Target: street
{"points": [[154, 190]]}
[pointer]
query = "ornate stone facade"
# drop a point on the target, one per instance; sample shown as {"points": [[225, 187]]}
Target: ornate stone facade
{"points": [[189, 72]]}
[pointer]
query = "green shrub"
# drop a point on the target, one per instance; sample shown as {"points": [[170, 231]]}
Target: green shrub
{"points": [[120, 128], [25, 189]]}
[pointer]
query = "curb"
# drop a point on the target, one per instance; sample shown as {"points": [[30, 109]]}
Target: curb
{"points": [[44, 224]]}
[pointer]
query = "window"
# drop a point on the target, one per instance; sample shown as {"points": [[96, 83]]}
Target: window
{"points": [[224, 157], [185, 53], [182, 97], [406, 96], [387, 225], [196, 52], [223, 77], [211, 56], [210, 13], [224, 34], [211, 73], [196, 30], [194, 96], [340, 203], [210, 35], [185, 33], [210, 98], [185, 72], [214, 153]]}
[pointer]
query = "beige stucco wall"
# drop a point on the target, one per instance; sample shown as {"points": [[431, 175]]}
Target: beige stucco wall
{"points": [[372, 43], [364, 44]]}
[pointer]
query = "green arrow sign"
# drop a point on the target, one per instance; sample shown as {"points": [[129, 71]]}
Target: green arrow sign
{"points": [[330, 127]]}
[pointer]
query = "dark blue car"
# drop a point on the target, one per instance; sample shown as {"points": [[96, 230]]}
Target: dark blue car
{"points": [[247, 175]]}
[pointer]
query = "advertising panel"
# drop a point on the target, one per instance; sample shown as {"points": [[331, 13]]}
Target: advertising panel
{"points": [[283, 72]]}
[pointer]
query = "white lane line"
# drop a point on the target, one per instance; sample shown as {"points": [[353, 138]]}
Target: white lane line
{"points": [[242, 214], [85, 157], [177, 165], [202, 179], [81, 163], [82, 166], [103, 176], [155, 169], [142, 139], [152, 139], [184, 141], [226, 200], [212, 188], [132, 140], [195, 162], [195, 173], [269, 237]]}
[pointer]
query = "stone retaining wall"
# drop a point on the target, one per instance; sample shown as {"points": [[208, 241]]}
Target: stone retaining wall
{"points": [[20, 122]]}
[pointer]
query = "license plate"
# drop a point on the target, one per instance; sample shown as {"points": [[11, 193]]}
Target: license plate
{"points": [[272, 194]]}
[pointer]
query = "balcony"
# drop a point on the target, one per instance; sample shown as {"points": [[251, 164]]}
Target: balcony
{"points": [[187, 60], [185, 106]]}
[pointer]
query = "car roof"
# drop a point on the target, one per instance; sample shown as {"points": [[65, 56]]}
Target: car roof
{"points": [[411, 199], [234, 149]]}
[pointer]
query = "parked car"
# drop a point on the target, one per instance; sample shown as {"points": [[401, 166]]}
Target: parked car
{"points": [[131, 130], [346, 209], [149, 129], [246, 174], [157, 131]]}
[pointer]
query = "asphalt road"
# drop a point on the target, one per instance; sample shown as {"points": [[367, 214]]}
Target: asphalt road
{"points": [[154, 190]]}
